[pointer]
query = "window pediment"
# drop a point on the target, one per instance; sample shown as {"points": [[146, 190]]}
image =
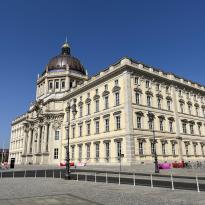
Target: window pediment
{"points": [[138, 90], [159, 96], [105, 92], [149, 93], [87, 100], [168, 98], [116, 88], [140, 113], [189, 103], [96, 97], [161, 117], [171, 119], [192, 122], [196, 105], [80, 103], [181, 101]]}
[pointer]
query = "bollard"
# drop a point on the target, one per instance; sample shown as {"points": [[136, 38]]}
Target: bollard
{"points": [[24, 174], [197, 184], [77, 176], [133, 179], [95, 178], [60, 174], [151, 181], [172, 181], [106, 178], [35, 173], [119, 178], [45, 174], [13, 174]]}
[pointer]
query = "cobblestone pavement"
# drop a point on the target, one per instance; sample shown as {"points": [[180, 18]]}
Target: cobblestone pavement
{"points": [[55, 191]]}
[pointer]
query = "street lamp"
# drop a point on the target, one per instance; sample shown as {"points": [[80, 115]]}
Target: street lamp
{"points": [[151, 117], [74, 111]]}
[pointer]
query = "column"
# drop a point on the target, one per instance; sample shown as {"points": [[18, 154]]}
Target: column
{"points": [[25, 146]]}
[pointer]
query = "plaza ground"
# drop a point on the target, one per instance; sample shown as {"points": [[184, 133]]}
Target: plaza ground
{"points": [[58, 191]]}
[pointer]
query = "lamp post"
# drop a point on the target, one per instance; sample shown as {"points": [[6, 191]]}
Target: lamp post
{"points": [[74, 111], [151, 117]]}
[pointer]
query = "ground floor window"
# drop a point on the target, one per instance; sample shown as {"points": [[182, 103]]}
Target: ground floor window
{"points": [[80, 152], [56, 153], [141, 150], [88, 151], [107, 150]]}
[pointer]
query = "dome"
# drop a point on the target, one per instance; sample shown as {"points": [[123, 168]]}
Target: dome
{"points": [[64, 60]]}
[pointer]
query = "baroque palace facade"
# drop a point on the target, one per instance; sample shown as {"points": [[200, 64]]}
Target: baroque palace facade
{"points": [[112, 122]]}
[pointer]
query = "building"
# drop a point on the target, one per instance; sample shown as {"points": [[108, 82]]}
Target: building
{"points": [[4, 155], [111, 123]]}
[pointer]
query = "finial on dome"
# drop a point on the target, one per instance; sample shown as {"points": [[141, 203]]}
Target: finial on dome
{"points": [[65, 47]]}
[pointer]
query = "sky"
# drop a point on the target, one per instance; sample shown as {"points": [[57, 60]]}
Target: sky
{"points": [[165, 34]]}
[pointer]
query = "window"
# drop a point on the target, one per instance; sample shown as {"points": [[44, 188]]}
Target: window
{"points": [[147, 83], [81, 111], [199, 130], [173, 149], [107, 126], [117, 99], [197, 111], [180, 93], [97, 105], [194, 96], [97, 127], [88, 129], [57, 133], [73, 132], [187, 149], [117, 118], [56, 153], [80, 130], [116, 82], [149, 101], [184, 128], [97, 151], [50, 85], [161, 125], [139, 124], [182, 107], [167, 89], [141, 151], [152, 147], [107, 150], [190, 109], [137, 95], [168, 105], [57, 85], [158, 86], [191, 128], [159, 103], [163, 149], [150, 124], [195, 149], [137, 80], [96, 91], [62, 84], [170, 126], [72, 152], [80, 152], [88, 109], [106, 87], [106, 102], [88, 151], [119, 149], [203, 111]]}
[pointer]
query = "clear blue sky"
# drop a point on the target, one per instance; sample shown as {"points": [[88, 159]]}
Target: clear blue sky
{"points": [[165, 34]]}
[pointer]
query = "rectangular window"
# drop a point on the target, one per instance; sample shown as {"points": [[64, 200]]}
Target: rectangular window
{"points": [[184, 128], [57, 134], [88, 129], [161, 125], [88, 151], [80, 130], [117, 118], [168, 105], [106, 87], [152, 147], [149, 101], [73, 132], [187, 149], [159, 103], [56, 84], [119, 149], [137, 95], [88, 109], [182, 107], [80, 152], [147, 83], [97, 105], [97, 130], [197, 111], [191, 128], [157, 86], [199, 129], [139, 124], [72, 152], [163, 149], [116, 82], [173, 150], [137, 80], [62, 84], [107, 150], [189, 108], [106, 102], [56, 153], [194, 149], [107, 125], [50, 85], [117, 99], [81, 111], [97, 151], [170, 126], [141, 151]]}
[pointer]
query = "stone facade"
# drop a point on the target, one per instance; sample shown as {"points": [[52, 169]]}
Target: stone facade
{"points": [[111, 123]]}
